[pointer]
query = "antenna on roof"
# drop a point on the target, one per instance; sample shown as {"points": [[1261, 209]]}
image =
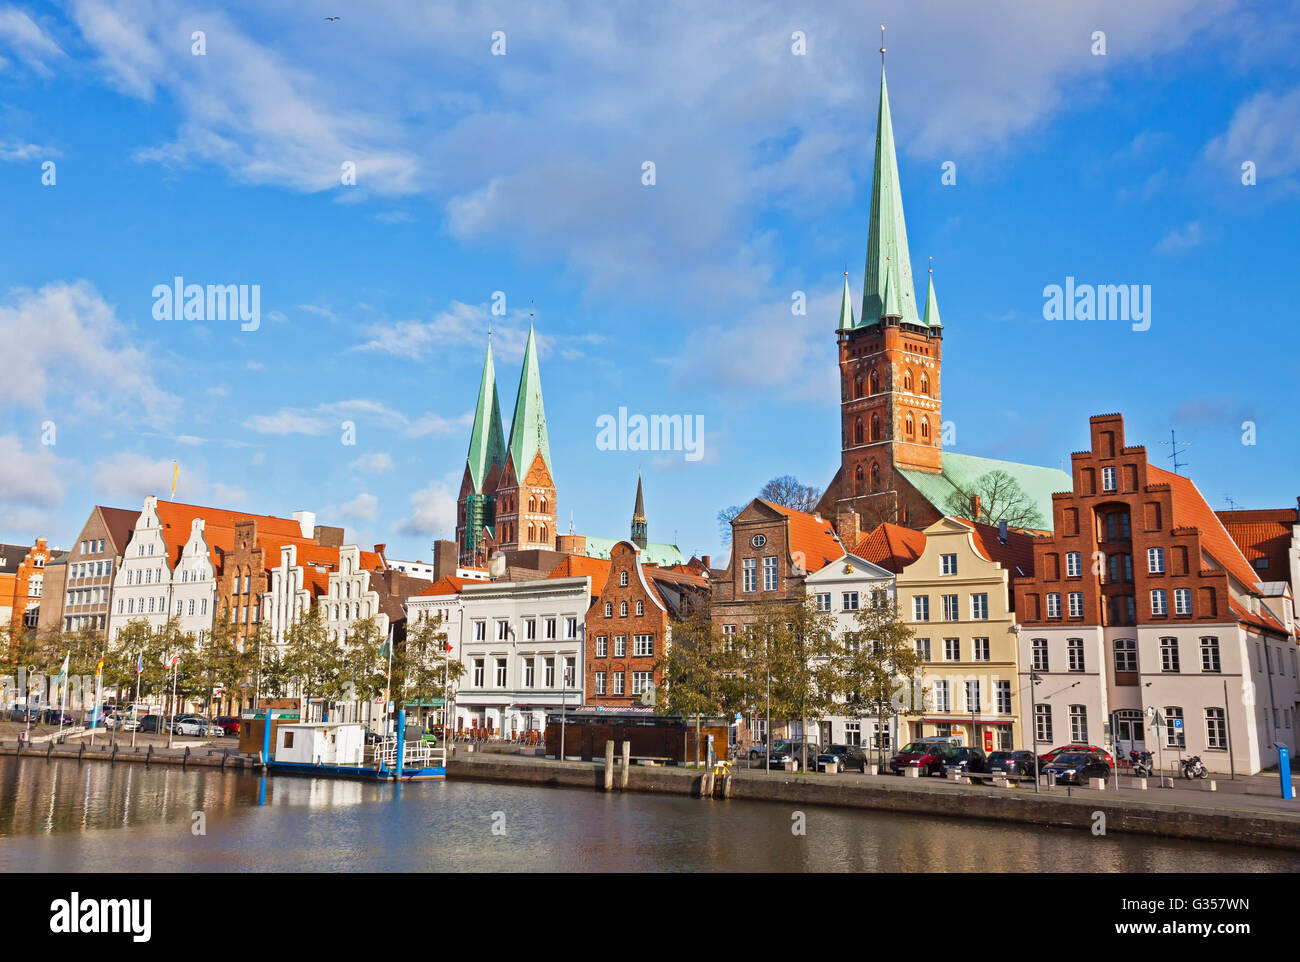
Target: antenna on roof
{"points": [[1174, 443], [570, 521], [1232, 505]]}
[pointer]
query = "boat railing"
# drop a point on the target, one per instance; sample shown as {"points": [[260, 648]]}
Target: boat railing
{"points": [[417, 754]]}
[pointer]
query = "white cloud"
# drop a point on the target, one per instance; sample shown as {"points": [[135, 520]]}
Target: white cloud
{"points": [[364, 507], [18, 151], [286, 421], [378, 462], [433, 511], [1182, 238], [436, 425], [28, 40], [1264, 130], [65, 339], [29, 477], [129, 476]]}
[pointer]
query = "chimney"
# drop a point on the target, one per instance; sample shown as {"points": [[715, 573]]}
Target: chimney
{"points": [[849, 529], [306, 522], [976, 507], [705, 561], [445, 556], [379, 550]]}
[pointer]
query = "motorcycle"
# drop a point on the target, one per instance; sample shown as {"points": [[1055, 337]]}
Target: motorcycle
{"points": [[1141, 762], [1192, 768]]}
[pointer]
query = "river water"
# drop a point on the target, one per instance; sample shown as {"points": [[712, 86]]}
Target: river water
{"points": [[66, 816]]}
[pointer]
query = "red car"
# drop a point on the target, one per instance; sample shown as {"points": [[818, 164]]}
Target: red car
{"points": [[227, 723], [1093, 749]]}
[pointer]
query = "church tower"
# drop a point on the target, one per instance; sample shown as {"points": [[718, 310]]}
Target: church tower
{"points": [[525, 495], [889, 362], [640, 534], [476, 503]]}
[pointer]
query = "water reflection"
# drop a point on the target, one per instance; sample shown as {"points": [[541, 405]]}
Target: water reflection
{"points": [[70, 816]]}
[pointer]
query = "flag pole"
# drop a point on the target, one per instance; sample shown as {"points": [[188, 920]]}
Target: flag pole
{"points": [[139, 665], [63, 696], [171, 729]]}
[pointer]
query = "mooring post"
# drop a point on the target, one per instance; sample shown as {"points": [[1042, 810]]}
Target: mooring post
{"points": [[627, 764], [148, 756], [609, 765]]}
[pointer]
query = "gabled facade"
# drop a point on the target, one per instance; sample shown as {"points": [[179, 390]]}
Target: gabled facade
{"points": [[91, 564], [1143, 603]]}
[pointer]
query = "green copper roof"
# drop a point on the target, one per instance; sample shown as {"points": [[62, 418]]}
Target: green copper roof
{"points": [[638, 510], [891, 308], [528, 429], [846, 307], [664, 555], [961, 471], [487, 441], [932, 306], [887, 234]]}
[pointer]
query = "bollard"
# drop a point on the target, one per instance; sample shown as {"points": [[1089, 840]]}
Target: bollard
{"points": [[627, 764], [1000, 781], [1098, 784], [609, 766], [186, 757], [1211, 786], [148, 757], [912, 772], [873, 769], [726, 786], [1140, 784]]}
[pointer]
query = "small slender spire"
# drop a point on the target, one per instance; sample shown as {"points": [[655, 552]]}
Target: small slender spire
{"points": [[639, 527], [932, 303], [846, 307]]}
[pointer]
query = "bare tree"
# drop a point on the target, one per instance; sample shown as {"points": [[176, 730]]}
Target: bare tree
{"points": [[785, 491], [1001, 499]]}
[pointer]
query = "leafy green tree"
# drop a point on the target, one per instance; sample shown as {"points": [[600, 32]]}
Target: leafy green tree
{"points": [[875, 668], [422, 667], [312, 663], [700, 670]]}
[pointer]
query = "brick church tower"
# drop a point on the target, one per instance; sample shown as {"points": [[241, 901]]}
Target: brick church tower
{"points": [[889, 368], [507, 495]]}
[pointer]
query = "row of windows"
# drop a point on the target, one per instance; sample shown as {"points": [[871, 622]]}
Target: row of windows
{"points": [[980, 649], [942, 695], [92, 547], [1126, 657], [623, 609], [1175, 732], [871, 385], [979, 607], [504, 631], [530, 673], [77, 622], [749, 574], [92, 569], [860, 434], [148, 576], [643, 646], [611, 683], [87, 596], [849, 600]]}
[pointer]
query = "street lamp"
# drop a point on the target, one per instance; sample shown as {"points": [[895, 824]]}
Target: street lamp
{"points": [[1034, 679]]}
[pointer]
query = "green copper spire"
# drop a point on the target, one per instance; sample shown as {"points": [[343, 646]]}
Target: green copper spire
{"points": [[932, 306], [640, 534], [890, 306], [887, 234], [487, 441], [528, 430], [846, 307]]}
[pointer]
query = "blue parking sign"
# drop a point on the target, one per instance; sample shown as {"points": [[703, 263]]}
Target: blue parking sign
{"points": [[1178, 724]]}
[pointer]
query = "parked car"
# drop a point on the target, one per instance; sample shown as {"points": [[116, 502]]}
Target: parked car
{"points": [[228, 723], [846, 756], [783, 751], [1075, 768], [962, 759], [213, 729], [190, 726], [925, 755], [155, 723], [25, 715], [1056, 752], [1012, 763], [53, 716]]}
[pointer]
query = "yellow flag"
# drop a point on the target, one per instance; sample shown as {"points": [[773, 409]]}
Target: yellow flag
{"points": [[176, 473]]}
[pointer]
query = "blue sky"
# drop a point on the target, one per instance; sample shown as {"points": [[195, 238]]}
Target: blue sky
{"points": [[522, 173]]}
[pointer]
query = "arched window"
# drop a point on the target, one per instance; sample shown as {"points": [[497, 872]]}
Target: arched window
{"points": [[875, 381], [858, 436], [542, 539], [909, 426], [925, 384], [907, 380], [543, 505], [859, 483], [857, 386], [875, 476], [530, 532], [875, 427], [532, 503], [925, 429]]}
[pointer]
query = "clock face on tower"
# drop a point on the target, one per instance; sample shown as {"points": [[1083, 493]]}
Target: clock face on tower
{"points": [[758, 540]]}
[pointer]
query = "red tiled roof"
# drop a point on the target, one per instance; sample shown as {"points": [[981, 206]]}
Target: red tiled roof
{"points": [[219, 529], [576, 565], [1192, 511], [811, 536], [449, 585], [1016, 554], [1263, 534], [891, 546], [1264, 619], [120, 523]]}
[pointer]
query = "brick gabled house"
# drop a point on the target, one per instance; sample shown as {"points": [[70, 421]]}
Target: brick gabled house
{"points": [[629, 625], [1142, 603]]}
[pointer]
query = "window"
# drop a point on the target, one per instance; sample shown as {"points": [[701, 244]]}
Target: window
{"points": [[1156, 561], [501, 673], [503, 631], [979, 607], [951, 612], [1002, 694], [600, 683], [640, 609], [1039, 648], [1108, 478], [480, 631], [571, 624], [1175, 734], [1210, 655], [1158, 602], [478, 672], [769, 573], [1076, 604], [622, 579], [850, 601], [622, 609], [1216, 729], [529, 673], [1043, 723], [973, 696], [1073, 564], [923, 648], [643, 646], [620, 646], [749, 574], [921, 608], [1079, 723], [550, 629], [941, 700], [948, 564], [641, 681], [1053, 605], [618, 683], [1126, 656], [570, 671], [1169, 654], [952, 649], [853, 733], [609, 609], [981, 649], [602, 646], [1182, 601], [1074, 648], [548, 670], [824, 601]]}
